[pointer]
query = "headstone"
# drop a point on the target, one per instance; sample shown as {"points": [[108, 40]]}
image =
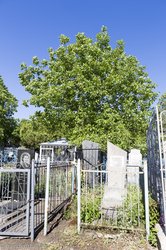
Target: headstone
{"points": [[9, 155], [135, 157], [90, 160], [25, 157], [90, 154], [114, 190], [135, 161]]}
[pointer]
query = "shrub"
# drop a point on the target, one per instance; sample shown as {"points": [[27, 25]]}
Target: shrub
{"points": [[90, 207], [131, 213], [154, 218]]}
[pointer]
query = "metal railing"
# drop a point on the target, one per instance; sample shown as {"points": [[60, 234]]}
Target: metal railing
{"points": [[31, 198], [156, 137], [51, 190], [103, 205], [14, 202]]}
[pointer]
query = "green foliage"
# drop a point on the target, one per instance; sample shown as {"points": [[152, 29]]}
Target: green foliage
{"points": [[8, 105], [162, 109], [88, 90], [91, 205], [90, 211], [32, 132], [154, 219], [71, 211], [132, 213], [162, 102]]}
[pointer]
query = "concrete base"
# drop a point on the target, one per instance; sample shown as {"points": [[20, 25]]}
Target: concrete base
{"points": [[161, 238]]}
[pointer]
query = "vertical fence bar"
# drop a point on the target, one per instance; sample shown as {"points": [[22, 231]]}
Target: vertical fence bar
{"points": [[32, 199], [27, 200], [162, 139], [161, 167], [66, 193], [78, 196], [146, 200], [47, 197], [73, 178]]}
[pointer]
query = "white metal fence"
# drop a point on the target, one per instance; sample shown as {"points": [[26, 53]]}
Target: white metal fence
{"points": [[14, 202], [52, 187], [100, 205], [31, 198]]}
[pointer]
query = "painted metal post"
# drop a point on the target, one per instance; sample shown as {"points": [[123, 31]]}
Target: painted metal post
{"points": [[28, 201], [40, 154], [32, 199], [73, 178], [161, 168], [78, 196], [47, 197], [146, 200], [66, 181]]}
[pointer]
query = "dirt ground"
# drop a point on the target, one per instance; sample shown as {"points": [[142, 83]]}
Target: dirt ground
{"points": [[65, 237]]}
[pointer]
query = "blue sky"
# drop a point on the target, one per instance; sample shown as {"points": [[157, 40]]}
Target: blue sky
{"points": [[29, 27]]}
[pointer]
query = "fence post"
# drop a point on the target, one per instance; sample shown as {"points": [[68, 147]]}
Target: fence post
{"points": [[32, 199], [161, 167], [46, 197], [66, 195], [72, 180], [146, 199], [78, 196]]}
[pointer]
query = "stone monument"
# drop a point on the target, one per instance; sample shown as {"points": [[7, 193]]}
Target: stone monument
{"points": [[114, 190], [90, 154], [135, 161]]}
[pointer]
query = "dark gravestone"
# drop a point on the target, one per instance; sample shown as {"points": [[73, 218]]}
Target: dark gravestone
{"points": [[25, 157], [90, 153], [24, 160]]}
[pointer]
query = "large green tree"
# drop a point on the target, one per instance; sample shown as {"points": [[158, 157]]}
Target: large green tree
{"points": [[89, 90], [32, 132], [8, 105]]}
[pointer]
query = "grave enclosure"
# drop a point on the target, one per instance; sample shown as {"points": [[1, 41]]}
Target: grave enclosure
{"points": [[32, 194], [106, 183], [115, 194]]}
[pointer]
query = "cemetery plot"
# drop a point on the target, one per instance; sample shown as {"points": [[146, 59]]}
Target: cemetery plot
{"points": [[113, 196]]}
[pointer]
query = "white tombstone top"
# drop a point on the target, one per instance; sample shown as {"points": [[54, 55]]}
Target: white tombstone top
{"points": [[135, 157]]}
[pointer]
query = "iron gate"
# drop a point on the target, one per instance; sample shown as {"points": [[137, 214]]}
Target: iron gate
{"points": [[31, 198], [14, 202]]}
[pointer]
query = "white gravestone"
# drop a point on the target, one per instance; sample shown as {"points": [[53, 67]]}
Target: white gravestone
{"points": [[135, 161], [114, 191]]}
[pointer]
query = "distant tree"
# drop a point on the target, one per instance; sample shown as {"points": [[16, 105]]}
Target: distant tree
{"points": [[162, 108], [8, 105], [88, 90], [162, 102], [32, 133]]}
